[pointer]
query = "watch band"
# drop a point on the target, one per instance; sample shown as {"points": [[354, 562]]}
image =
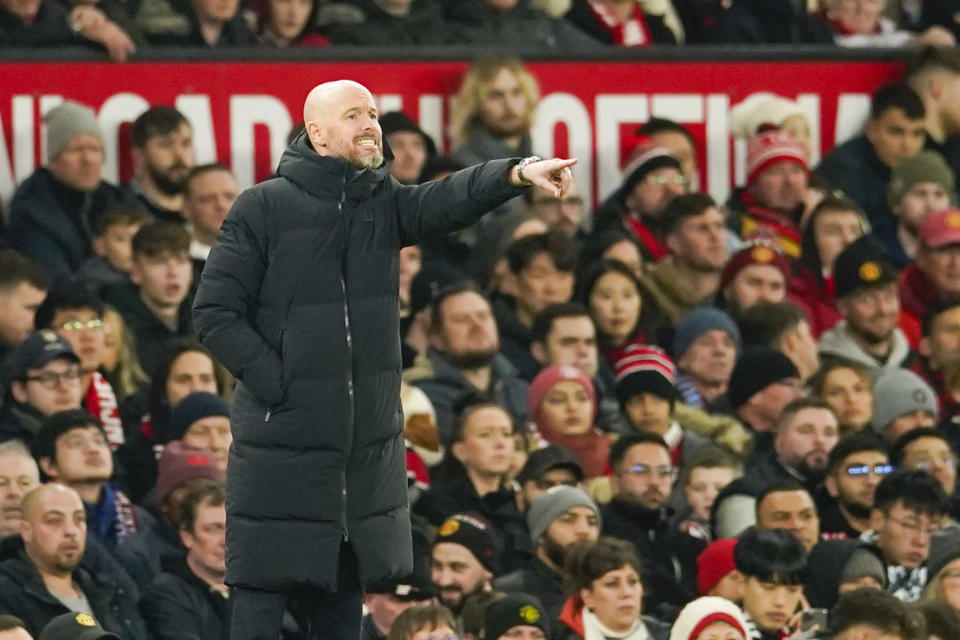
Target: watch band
{"points": [[523, 165]]}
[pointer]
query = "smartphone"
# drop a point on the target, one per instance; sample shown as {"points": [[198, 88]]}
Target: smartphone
{"points": [[813, 619]]}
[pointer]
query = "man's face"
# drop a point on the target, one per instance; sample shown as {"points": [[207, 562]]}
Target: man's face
{"points": [[78, 327], [469, 333], [216, 10], [81, 455], [934, 456], [645, 476], [52, 388], [908, 422], [486, 445], [903, 535], [781, 186], [164, 280], [167, 158], [504, 110], [919, 200], [648, 412], [872, 312], [456, 573], [703, 487], [857, 16], [854, 481], [574, 524], [18, 477], [895, 137], [55, 532], [770, 605], [208, 199], [942, 346], [680, 148], [352, 130], [18, 308], [409, 156], [533, 489], [572, 341], [942, 266], [541, 284], [804, 442], [651, 195], [802, 349], [206, 543], [791, 511], [115, 245], [756, 283], [212, 434], [563, 214], [869, 632], [191, 371], [79, 163], [385, 607], [834, 231], [710, 358], [17, 633], [700, 242]]}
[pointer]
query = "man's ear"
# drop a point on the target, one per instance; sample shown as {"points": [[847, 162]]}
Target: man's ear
{"points": [[19, 391], [49, 468], [673, 243], [317, 134], [186, 538], [538, 352], [925, 347], [831, 485]]}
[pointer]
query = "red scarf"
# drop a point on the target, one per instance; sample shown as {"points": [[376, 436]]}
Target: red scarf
{"points": [[759, 222], [101, 402], [646, 238], [632, 33]]}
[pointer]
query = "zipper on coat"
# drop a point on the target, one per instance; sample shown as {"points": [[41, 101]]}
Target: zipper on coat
{"points": [[349, 337]]}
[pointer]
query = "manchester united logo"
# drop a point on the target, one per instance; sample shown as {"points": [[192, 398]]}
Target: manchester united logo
{"points": [[85, 620], [870, 271], [529, 613], [762, 254], [449, 528]]}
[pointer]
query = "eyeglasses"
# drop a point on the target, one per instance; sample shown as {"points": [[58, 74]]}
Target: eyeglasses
{"points": [[51, 379], [662, 471], [679, 180], [863, 470], [77, 325], [915, 528]]}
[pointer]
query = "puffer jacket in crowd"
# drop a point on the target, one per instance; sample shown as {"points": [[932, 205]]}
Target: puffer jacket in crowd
{"points": [[299, 301], [178, 605]]}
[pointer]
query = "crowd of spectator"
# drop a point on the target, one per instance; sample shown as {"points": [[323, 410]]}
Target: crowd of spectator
{"points": [[122, 28], [663, 418]]}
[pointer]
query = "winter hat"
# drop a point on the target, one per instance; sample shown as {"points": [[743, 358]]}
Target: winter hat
{"points": [[645, 369], [756, 369], [432, 278], [549, 457], [644, 160], [702, 612], [551, 376], [940, 228], [864, 263], [553, 503], [40, 348], [862, 564], [67, 121], [75, 626], [472, 531], [944, 549], [754, 253], [770, 147], [514, 610], [195, 406], [394, 121], [926, 166], [696, 323], [761, 109], [179, 463], [714, 562], [899, 392]]}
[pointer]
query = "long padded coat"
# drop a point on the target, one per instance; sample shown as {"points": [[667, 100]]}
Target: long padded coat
{"points": [[299, 300]]}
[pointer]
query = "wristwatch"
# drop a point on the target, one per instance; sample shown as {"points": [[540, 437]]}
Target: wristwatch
{"points": [[523, 165]]}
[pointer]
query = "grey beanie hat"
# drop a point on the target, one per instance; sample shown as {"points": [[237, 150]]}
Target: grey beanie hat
{"points": [[863, 564], [67, 121], [898, 393], [551, 504], [696, 323]]}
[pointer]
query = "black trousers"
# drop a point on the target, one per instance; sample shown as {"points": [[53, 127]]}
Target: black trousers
{"points": [[258, 615]]}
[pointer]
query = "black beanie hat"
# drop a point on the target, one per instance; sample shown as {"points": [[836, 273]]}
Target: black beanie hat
{"points": [[865, 263], [472, 531], [514, 610], [394, 121], [756, 369], [195, 406]]}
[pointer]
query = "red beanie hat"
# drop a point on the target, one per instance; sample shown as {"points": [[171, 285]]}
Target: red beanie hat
{"points": [[771, 147], [551, 376], [713, 563], [755, 253]]}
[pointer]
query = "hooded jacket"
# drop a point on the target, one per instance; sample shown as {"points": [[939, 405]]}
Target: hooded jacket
{"points": [[838, 342], [299, 301]]}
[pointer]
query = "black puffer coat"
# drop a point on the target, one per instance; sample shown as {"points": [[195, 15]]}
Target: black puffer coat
{"points": [[299, 300]]}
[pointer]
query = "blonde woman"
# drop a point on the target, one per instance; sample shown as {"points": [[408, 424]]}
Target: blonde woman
{"points": [[120, 361]]}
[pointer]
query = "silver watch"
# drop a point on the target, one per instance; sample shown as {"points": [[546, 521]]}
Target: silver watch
{"points": [[523, 165]]}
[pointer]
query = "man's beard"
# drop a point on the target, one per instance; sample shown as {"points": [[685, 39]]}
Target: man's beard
{"points": [[457, 607], [555, 552], [472, 359], [167, 181], [358, 161], [869, 336], [812, 475], [855, 509]]}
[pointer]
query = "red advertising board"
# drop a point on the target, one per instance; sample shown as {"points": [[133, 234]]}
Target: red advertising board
{"points": [[243, 111]]}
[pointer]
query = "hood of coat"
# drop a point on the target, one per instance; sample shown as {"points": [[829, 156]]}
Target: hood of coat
{"points": [[322, 175]]}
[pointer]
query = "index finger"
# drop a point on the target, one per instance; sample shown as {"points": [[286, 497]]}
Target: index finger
{"points": [[561, 163]]}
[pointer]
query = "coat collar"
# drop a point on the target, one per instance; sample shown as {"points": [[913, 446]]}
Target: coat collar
{"points": [[323, 176]]}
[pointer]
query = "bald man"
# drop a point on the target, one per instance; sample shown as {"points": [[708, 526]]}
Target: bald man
{"points": [[42, 576], [299, 299]]}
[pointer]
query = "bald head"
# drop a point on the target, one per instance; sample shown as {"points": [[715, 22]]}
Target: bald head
{"points": [[40, 499], [54, 529], [341, 120]]}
